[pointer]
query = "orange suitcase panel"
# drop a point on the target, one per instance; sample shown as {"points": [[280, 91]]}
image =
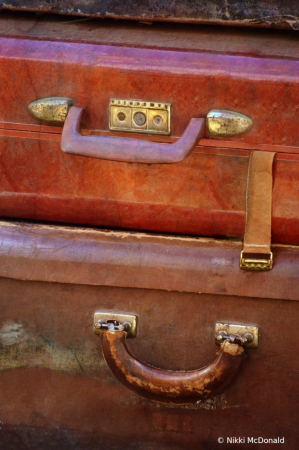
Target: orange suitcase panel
{"points": [[204, 194]]}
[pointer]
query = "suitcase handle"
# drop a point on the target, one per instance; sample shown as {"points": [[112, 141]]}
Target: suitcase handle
{"points": [[128, 150], [169, 386]]}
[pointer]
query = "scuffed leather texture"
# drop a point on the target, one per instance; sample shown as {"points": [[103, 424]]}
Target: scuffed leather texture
{"points": [[204, 195], [273, 13], [117, 258], [171, 387], [57, 391]]}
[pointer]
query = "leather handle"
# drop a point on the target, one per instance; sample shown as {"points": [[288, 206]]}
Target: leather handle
{"points": [[128, 150], [167, 386]]}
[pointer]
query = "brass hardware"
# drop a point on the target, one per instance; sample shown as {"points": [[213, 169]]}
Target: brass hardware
{"points": [[234, 338], [225, 123], [248, 336], [138, 116], [256, 264], [115, 322], [50, 109]]}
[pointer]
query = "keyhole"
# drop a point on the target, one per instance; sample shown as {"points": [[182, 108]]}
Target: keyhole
{"points": [[121, 116], [158, 120], [139, 119]]}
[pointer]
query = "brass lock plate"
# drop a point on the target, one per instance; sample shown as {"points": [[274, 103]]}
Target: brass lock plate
{"points": [[139, 116], [104, 317], [240, 330]]}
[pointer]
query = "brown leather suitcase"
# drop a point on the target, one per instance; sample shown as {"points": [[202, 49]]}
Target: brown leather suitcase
{"points": [[56, 388]]}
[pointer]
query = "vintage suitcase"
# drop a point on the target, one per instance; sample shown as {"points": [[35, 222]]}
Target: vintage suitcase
{"points": [[198, 70], [56, 388], [89, 315]]}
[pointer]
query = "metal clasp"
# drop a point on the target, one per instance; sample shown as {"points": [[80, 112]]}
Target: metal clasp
{"points": [[115, 322], [50, 109], [256, 264], [247, 336], [113, 325], [225, 123]]}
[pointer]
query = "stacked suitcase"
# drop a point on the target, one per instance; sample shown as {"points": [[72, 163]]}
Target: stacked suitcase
{"points": [[134, 158]]}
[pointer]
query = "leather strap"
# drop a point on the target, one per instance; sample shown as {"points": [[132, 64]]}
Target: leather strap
{"points": [[257, 238]]}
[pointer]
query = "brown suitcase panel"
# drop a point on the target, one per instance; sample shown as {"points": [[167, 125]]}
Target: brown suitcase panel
{"points": [[110, 258], [55, 384]]}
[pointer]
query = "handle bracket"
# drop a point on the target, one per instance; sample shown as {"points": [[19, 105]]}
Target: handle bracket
{"points": [[248, 332], [127, 320]]}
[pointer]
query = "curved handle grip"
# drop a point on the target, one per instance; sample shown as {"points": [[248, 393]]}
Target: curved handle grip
{"points": [[128, 150], [166, 386]]}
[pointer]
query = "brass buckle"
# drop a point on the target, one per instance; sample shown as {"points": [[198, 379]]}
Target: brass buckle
{"points": [[256, 264]]}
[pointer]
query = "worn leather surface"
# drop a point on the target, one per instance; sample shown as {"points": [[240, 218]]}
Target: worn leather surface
{"points": [[202, 195], [271, 13], [171, 387], [58, 393], [248, 41], [257, 237], [141, 260], [262, 86]]}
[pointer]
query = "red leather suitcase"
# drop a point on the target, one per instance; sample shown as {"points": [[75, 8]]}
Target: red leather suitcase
{"points": [[250, 72]]}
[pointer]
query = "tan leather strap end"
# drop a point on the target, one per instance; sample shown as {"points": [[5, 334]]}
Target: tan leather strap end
{"points": [[256, 254]]}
